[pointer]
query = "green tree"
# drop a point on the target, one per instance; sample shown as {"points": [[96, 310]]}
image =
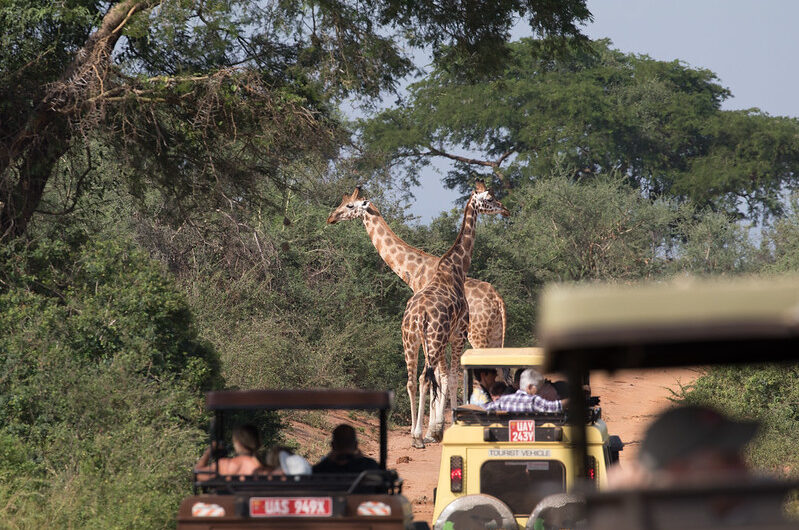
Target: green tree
{"points": [[207, 98], [714, 243], [101, 411], [568, 231], [593, 111], [780, 241]]}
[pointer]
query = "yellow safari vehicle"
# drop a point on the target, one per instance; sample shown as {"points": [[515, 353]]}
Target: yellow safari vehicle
{"points": [[497, 466], [369, 500], [687, 322]]}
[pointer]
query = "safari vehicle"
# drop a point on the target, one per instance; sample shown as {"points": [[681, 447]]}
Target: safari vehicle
{"points": [[497, 466], [370, 500], [683, 323]]}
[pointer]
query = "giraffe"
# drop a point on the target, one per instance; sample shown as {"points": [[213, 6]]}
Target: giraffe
{"points": [[415, 267], [487, 318], [439, 314]]}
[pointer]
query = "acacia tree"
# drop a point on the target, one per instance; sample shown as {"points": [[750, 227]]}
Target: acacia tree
{"points": [[207, 96], [590, 110]]}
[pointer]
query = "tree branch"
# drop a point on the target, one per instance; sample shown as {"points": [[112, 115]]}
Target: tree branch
{"points": [[494, 165]]}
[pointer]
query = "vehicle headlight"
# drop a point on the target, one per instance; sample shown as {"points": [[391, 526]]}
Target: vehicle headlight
{"points": [[476, 511]]}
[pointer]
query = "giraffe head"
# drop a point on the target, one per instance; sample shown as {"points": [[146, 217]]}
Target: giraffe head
{"points": [[352, 207], [484, 201]]}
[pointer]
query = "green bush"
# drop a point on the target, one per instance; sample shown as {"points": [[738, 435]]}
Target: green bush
{"points": [[101, 398], [766, 393], [323, 312]]}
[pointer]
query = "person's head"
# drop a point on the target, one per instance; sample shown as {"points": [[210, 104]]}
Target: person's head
{"points": [[497, 389], [344, 439], [695, 443], [283, 459], [516, 377], [530, 380], [272, 458], [485, 376], [246, 439]]}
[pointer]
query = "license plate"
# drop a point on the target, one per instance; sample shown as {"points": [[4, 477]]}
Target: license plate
{"points": [[291, 507], [521, 431]]}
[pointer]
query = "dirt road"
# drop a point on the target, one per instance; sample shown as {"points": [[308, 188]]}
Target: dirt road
{"points": [[629, 400]]}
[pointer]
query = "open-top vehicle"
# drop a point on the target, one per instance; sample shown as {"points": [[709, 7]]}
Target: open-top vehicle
{"points": [[497, 466], [370, 500], [682, 323]]}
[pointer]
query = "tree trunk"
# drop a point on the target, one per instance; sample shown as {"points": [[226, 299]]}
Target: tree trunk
{"points": [[26, 162]]}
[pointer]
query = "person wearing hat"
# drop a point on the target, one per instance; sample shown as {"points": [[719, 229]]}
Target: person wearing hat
{"points": [[696, 447], [694, 444], [345, 457], [687, 444]]}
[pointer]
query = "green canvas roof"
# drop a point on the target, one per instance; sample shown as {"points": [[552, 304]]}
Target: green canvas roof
{"points": [[686, 321]]}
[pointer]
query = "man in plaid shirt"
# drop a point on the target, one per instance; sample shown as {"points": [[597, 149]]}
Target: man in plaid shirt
{"points": [[525, 399]]}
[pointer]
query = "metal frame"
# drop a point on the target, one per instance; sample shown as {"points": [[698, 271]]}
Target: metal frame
{"points": [[225, 400]]}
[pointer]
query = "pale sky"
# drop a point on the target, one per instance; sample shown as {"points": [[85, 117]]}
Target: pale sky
{"points": [[750, 44]]}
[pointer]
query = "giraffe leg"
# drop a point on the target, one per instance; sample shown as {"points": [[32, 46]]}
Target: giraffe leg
{"points": [[411, 386], [458, 343], [435, 357], [429, 434], [450, 382], [416, 434], [438, 426], [410, 343]]}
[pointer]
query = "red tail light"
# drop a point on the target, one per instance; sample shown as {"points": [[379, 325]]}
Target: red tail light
{"points": [[591, 468], [456, 474]]}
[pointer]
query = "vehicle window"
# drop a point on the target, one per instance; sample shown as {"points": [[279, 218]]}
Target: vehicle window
{"points": [[521, 484]]}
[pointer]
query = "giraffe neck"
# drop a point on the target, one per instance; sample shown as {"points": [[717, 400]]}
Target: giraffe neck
{"points": [[459, 257], [412, 265]]}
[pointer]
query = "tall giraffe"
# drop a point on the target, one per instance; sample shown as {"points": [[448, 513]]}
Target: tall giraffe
{"points": [[415, 267], [487, 317], [439, 314]]}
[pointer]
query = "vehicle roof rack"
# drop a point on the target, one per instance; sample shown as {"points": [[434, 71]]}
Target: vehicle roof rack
{"points": [[299, 399], [485, 417]]}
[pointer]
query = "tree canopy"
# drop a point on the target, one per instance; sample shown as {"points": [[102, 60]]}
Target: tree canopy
{"points": [[591, 110], [207, 98]]}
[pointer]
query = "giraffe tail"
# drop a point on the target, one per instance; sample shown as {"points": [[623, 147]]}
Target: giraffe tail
{"points": [[504, 319], [429, 369], [505, 371]]}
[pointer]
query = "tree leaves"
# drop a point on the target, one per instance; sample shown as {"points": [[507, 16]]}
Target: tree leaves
{"points": [[659, 124]]}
